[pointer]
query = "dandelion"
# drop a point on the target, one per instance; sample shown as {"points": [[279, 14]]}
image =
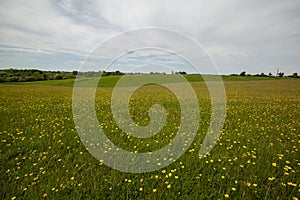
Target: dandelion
{"points": [[271, 178], [72, 178], [233, 189], [226, 195], [154, 190], [292, 184], [169, 186], [141, 189], [274, 165]]}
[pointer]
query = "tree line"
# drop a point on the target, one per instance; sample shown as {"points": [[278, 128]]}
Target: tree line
{"points": [[24, 75], [280, 74]]}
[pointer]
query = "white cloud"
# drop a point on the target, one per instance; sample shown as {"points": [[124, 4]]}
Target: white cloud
{"points": [[257, 35]]}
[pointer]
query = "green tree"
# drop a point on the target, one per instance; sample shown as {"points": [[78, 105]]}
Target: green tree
{"points": [[243, 73], [37, 76], [280, 74], [295, 74]]}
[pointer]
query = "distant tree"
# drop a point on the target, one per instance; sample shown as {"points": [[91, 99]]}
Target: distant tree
{"points": [[58, 77], [280, 74], [183, 72], [243, 73], [263, 74], [37, 76], [270, 74], [75, 73], [295, 75]]}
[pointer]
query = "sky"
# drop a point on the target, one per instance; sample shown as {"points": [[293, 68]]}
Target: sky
{"points": [[238, 35]]}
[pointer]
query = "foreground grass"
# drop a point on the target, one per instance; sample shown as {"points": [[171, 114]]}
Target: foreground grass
{"points": [[256, 157]]}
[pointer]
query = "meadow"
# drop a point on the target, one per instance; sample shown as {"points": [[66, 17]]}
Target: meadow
{"points": [[256, 157]]}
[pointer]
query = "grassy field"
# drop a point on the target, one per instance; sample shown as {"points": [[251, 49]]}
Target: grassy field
{"points": [[256, 157], [110, 81]]}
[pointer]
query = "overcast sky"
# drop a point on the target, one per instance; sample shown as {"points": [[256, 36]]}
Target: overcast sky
{"points": [[253, 36]]}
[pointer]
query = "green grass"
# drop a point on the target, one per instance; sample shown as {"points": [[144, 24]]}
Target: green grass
{"points": [[110, 81], [256, 157]]}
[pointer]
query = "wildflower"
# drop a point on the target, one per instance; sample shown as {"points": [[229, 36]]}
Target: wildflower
{"points": [[271, 178], [226, 195], [154, 190]]}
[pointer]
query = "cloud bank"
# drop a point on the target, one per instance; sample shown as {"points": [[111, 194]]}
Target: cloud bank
{"points": [[255, 36]]}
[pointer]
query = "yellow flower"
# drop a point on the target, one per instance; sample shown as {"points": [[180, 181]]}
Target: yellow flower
{"points": [[154, 190], [226, 195], [72, 178], [141, 189], [233, 189], [45, 195], [274, 164], [271, 178], [169, 186], [292, 184]]}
